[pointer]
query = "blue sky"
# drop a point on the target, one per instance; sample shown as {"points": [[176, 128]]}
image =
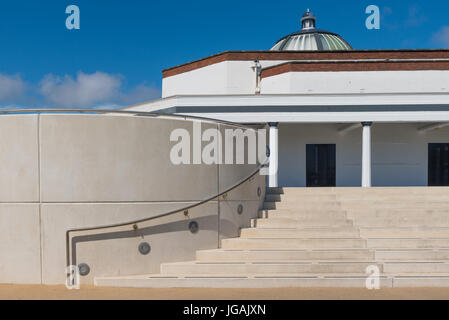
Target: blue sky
{"points": [[117, 56]]}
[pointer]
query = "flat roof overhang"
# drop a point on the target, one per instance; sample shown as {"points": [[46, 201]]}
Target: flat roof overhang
{"points": [[313, 108]]}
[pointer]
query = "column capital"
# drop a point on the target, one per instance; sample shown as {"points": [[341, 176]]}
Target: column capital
{"points": [[367, 123], [273, 124]]}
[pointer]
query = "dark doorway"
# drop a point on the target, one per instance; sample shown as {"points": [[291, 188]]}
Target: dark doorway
{"points": [[320, 165], [438, 164]]}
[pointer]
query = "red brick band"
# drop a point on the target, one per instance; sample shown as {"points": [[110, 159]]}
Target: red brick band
{"points": [[354, 66], [306, 55]]}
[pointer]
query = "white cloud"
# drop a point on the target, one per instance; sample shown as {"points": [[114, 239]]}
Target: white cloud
{"points": [[11, 87], [99, 89], [85, 90], [442, 37], [95, 90], [141, 93], [415, 18]]}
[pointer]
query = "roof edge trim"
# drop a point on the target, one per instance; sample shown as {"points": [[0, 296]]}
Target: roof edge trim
{"points": [[305, 55]]}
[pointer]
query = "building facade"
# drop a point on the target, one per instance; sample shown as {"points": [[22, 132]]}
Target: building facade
{"points": [[337, 116]]}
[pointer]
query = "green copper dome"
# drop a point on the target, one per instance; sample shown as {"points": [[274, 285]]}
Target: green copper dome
{"points": [[309, 38]]}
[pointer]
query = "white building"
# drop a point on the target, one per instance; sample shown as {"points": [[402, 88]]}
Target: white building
{"points": [[338, 116], [96, 192]]}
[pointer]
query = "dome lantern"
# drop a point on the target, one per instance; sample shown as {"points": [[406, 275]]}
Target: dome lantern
{"points": [[308, 20], [309, 38]]}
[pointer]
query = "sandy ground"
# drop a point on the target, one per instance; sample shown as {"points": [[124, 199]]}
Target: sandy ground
{"points": [[16, 292]]}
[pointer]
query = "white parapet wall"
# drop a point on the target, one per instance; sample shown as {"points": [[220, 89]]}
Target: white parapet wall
{"points": [[357, 82], [69, 171]]}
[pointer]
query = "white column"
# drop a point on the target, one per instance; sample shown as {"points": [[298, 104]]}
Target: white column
{"points": [[274, 157], [366, 155]]}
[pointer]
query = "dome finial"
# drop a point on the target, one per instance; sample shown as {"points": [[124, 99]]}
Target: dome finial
{"points": [[308, 20]]}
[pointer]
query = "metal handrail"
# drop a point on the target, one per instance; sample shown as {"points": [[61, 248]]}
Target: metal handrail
{"points": [[136, 222], [145, 114]]}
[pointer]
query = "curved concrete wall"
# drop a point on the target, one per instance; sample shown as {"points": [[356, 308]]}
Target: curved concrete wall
{"points": [[65, 171]]}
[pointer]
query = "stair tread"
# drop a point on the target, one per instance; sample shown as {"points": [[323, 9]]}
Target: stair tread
{"points": [[309, 262], [275, 275]]}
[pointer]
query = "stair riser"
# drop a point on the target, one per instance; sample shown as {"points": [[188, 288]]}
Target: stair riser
{"points": [[388, 198], [360, 197], [251, 256], [304, 206], [205, 269], [291, 223], [358, 201], [410, 267], [399, 205], [411, 255], [358, 206], [386, 191], [398, 233], [274, 191], [401, 223], [324, 215], [297, 233], [279, 197], [407, 243], [251, 244], [284, 220], [274, 282], [397, 215]]}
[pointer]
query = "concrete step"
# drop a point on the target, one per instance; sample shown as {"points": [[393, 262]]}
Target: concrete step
{"points": [[304, 214], [256, 281], [384, 197], [380, 255], [361, 199], [401, 222], [285, 255], [360, 205], [324, 237], [411, 255], [364, 196], [273, 281], [423, 267], [410, 232], [275, 191], [422, 226], [323, 205], [409, 213], [204, 268], [269, 205], [272, 197], [427, 280], [363, 204], [393, 243], [308, 233], [292, 243], [298, 223], [301, 197], [436, 191]]}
